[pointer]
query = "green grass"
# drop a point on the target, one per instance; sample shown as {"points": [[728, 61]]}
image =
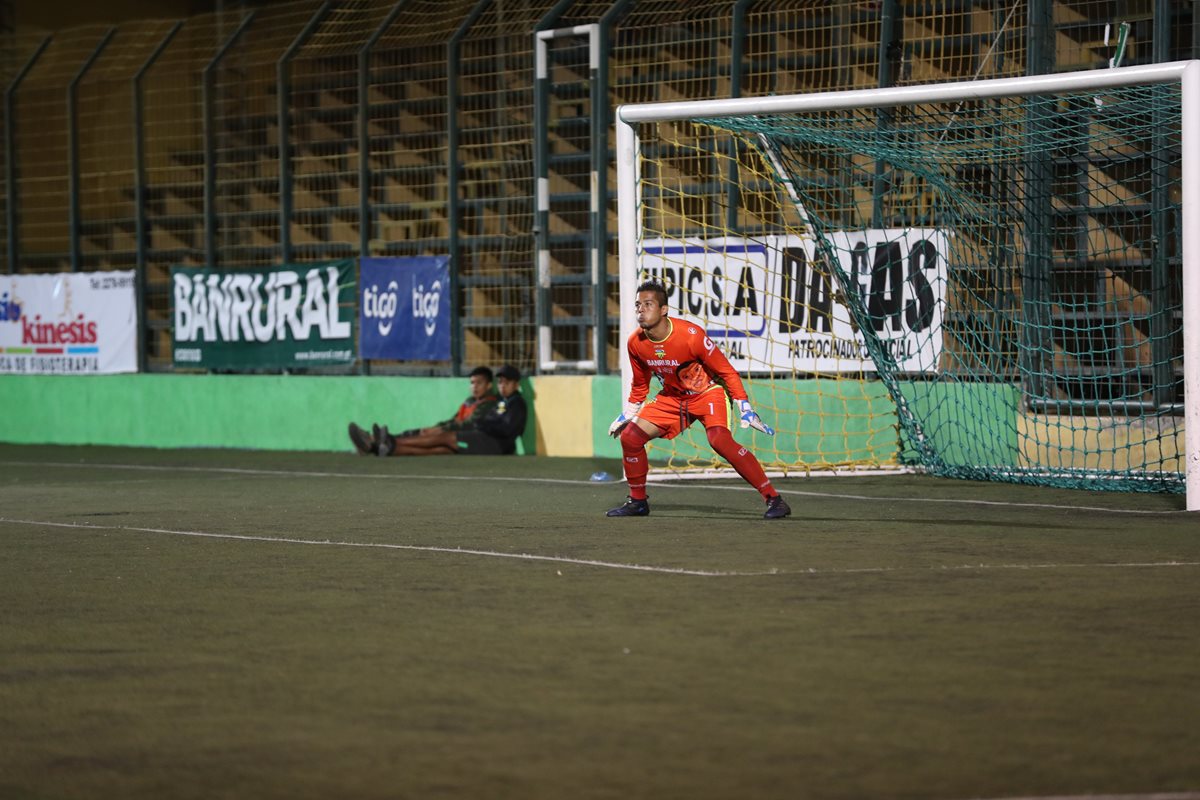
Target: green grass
{"points": [[896, 638]]}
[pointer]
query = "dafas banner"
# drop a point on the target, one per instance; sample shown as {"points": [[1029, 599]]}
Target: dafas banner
{"points": [[772, 303], [287, 317]]}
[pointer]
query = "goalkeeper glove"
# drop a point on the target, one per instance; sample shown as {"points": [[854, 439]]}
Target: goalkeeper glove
{"points": [[752, 420], [624, 418]]}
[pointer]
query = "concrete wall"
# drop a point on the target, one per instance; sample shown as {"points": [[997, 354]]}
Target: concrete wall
{"points": [[283, 412], [569, 416]]}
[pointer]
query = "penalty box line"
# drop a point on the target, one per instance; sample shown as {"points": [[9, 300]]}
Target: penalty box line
{"points": [[1151, 796], [285, 473], [587, 562], [465, 551]]}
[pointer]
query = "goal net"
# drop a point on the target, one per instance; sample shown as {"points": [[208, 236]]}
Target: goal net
{"points": [[985, 280]]}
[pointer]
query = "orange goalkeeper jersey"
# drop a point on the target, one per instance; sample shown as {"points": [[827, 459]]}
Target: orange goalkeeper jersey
{"points": [[687, 362]]}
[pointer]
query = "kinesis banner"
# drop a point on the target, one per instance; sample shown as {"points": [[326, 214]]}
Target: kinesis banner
{"points": [[296, 315], [68, 323], [405, 308], [772, 301]]}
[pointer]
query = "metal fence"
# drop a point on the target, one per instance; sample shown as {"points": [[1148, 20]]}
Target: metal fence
{"points": [[474, 128]]}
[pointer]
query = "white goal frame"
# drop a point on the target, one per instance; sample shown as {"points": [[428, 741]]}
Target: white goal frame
{"points": [[1186, 73]]}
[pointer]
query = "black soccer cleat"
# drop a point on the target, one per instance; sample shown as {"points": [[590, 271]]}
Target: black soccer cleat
{"points": [[385, 443], [364, 443], [777, 508], [632, 508]]}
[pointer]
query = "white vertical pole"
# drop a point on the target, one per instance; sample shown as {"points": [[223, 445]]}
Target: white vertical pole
{"points": [[541, 74], [1190, 228], [627, 238], [596, 221], [546, 361]]}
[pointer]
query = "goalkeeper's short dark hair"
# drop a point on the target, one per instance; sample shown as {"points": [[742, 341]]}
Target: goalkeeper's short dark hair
{"points": [[660, 292], [486, 372]]}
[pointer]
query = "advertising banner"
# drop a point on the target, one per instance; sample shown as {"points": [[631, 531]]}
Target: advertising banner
{"points": [[70, 323], [405, 308], [772, 304], [287, 317]]}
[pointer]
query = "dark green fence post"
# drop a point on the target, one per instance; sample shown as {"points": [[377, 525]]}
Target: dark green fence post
{"points": [[365, 222], [282, 92], [366, 219], [210, 143], [139, 188], [1161, 213], [453, 211], [885, 117], [10, 153], [1036, 277], [601, 123], [598, 218], [1195, 53], [73, 212], [737, 56]]}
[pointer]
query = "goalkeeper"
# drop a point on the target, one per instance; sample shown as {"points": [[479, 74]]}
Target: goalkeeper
{"points": [[695, 377]]}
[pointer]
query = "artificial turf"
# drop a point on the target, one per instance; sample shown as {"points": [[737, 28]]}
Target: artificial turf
{"points": [[217, 624]]}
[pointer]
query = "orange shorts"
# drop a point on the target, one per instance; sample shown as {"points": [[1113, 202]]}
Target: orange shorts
{"points": [[674, 414]]}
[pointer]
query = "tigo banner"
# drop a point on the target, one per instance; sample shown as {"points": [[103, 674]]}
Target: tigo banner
{"points": [[405, 308], [72, 323], [296, 315]]}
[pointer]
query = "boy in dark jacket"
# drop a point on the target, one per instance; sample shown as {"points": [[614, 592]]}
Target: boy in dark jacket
{"points": [[495, 432], [478, 404]]}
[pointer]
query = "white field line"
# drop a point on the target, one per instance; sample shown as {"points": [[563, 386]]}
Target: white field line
{"points": [[708, 473], [1153, 796], [385, 546], [587, 562], [475, 479]]}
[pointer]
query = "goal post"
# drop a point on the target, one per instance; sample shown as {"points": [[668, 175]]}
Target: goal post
{"points": [[992, 280]]}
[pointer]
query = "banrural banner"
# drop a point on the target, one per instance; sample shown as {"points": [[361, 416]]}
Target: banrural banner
{"points": [[76, 323], [295, 315], [772, 303], [405, 308]]}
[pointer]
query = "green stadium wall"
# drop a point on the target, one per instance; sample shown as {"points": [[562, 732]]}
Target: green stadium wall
{"points": [[569, 415]]}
